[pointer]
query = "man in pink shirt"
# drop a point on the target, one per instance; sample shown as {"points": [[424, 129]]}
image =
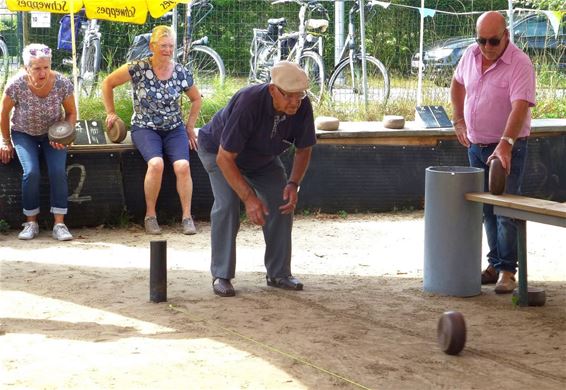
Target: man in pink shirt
{"points": [[492, 92]]}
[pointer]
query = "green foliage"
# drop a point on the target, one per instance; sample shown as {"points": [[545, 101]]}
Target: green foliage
{"points": [[4, 226], [123, 220], [552, 5]]}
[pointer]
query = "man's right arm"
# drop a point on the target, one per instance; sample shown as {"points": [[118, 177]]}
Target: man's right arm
{"points": [[457, 97], [255, 209]]}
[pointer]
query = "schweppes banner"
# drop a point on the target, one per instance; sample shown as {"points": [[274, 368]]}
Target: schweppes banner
{"points": [[53, 6], [130, 11]]}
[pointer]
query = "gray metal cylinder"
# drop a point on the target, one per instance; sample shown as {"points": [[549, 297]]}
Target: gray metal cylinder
{"points": [[453, 231]]}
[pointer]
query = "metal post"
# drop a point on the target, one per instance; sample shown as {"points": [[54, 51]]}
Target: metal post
{"points": [[338, 30], [363, 46], [158, 271], [421, 59], [522, 258]]}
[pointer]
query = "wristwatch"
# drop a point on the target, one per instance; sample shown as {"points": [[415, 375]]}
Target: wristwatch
{"points": [[510, 140]]}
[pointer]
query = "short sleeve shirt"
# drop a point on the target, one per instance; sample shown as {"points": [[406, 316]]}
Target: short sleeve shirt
{"points": [[33, 114], [487, 105], [157, 102], [250, 127]]}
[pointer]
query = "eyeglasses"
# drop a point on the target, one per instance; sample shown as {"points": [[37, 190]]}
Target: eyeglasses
{"points": [[491, 41], [44, 50], [165, 46], [294, 95]]}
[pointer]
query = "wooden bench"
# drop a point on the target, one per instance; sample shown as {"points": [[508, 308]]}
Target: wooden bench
{"points": [[523, 209]]}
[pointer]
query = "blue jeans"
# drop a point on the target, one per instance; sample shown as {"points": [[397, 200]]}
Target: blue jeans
{"points": [[28, 148], [501, 231]]}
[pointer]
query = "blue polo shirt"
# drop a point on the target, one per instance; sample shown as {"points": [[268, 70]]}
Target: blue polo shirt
{"points": [[250, 127]]}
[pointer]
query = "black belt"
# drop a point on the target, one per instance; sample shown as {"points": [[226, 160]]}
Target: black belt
{"points": [[495, 144]]}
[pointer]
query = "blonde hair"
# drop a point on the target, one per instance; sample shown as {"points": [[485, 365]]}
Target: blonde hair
{"points": [[159, 32], [35, 50]]}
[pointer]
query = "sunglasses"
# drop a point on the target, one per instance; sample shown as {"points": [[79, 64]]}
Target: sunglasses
{"points": [[291, 96], [491, 41], [35, 52]]}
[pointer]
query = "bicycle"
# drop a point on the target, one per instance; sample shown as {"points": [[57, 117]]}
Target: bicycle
{"points": [[4, 62], [346, 81], [204, 63], [91, 55], [303, 47]]}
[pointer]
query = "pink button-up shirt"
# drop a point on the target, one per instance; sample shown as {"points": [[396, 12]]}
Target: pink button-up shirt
{"points": [[489, 95]]}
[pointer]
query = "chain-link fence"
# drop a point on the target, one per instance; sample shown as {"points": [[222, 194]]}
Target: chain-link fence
{"points": [[391, 36]]}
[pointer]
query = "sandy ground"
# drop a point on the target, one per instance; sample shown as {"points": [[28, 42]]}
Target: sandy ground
{"points": [[77, 315]]}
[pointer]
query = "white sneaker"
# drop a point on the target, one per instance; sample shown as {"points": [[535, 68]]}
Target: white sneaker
{"points": [[188, 226], [30, 231], [61, 233], [151, 225]]}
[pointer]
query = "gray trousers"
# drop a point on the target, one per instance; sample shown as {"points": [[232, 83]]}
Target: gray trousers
{"points": [[268, 183]]}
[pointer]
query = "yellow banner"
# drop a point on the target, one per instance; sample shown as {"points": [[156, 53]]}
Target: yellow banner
{"points": [[158, 8], [53, 6], [129, 11]]}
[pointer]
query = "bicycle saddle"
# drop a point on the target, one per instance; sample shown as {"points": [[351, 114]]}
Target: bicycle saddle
{"points": [[317, 24], [277, 22]]}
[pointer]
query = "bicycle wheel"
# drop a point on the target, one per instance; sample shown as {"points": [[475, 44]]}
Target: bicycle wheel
{"points": [[346, 84], [208, 69], [89, 67], [313, 65], [3, 63]]}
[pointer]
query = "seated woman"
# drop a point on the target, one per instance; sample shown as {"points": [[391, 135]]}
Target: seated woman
{"points": [[39, 97], [157, 123]]}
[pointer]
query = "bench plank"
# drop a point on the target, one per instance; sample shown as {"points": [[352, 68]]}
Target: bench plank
{"points": [[523, 203]]}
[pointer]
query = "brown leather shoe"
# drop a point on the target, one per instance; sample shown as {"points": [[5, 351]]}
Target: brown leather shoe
{"points": [[223, 287], [506, 283], [489, 275]]}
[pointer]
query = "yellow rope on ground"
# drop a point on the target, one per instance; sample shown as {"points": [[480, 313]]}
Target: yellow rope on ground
{"points": [[269, 347]]}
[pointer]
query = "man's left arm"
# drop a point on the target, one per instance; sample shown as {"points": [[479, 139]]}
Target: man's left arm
{"points": [[300, 165], [515, 121]]}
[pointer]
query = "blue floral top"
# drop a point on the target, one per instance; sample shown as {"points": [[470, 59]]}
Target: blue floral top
{"points": [[157, 102]]}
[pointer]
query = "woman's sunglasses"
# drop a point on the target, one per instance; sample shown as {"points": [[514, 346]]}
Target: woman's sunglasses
{"points": [[44, 50]]}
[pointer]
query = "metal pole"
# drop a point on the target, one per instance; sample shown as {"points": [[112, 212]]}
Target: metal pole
{"points": [[510, 12], [338, 29], [363, 46], [158, 271], [74, 55], [421, 59]]}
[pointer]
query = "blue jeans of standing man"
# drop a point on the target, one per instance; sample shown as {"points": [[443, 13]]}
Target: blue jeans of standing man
{"points": [[29, 148], [501, 232]]}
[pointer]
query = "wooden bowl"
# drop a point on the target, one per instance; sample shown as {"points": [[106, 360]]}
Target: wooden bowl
{"points": [[451, 332], [117, 133], [497, 177], [62, 132], [327, 123], [393, 122]]}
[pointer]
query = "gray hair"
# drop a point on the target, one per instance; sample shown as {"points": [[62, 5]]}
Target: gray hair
{"points": [[35, 50]]}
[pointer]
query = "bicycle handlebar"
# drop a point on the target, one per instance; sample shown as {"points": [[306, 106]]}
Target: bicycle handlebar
{"points": [[313, 5]]}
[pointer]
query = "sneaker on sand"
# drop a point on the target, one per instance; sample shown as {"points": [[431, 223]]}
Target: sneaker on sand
{"points": [[30, 231], [151, 225], [188, 226], [61, 233]]}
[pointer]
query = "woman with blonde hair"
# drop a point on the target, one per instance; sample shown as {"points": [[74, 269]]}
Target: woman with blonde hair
{"points": [[157, 127]]}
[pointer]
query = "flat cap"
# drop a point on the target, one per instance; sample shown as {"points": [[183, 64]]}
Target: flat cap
{"points": [[289, 77]]}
